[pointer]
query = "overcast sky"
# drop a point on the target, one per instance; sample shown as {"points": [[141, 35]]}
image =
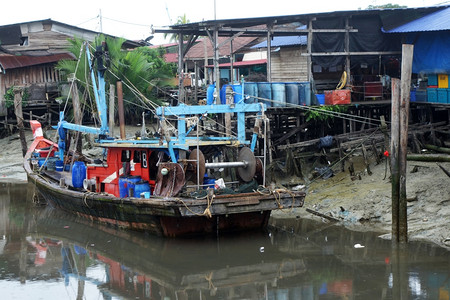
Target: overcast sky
{"points": [[132, 19]]}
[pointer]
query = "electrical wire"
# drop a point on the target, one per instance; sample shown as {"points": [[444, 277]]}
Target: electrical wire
{"points": [[341, 115], [123, 22]]}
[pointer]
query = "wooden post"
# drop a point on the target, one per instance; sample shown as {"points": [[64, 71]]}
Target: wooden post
{"points": [[407, 57], [19, 117], [205, 63], [395, 140], [216, 64], [120, 109], [112, 98], [231, 63], [269, 56], [196, 83], [180, 69], [77, 117], [309, 50], [347, 49]]}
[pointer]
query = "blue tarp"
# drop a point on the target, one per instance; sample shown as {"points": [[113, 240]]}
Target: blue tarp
{"points": [[431, 51]]}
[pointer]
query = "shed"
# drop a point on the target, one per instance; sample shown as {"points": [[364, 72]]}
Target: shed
{"points": [[430, 36], [29, 52]]}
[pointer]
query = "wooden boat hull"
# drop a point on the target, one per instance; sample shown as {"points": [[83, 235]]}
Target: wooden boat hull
{"points": [[173, 216]]}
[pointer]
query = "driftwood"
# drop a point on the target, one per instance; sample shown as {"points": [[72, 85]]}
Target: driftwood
{"points": [[321, 215], [428, 157], [443, 169], [437, 149], [291, 133]]}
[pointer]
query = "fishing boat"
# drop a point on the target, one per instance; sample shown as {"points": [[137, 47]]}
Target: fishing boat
{"points": [[162, 184]]}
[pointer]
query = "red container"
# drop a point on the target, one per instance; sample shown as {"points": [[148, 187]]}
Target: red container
{"points": [[337, 97], [44, 152], [373, 90], [432, 86]]}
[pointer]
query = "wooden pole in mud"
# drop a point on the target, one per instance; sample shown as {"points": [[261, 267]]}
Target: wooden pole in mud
{"points": [[399, 143], [19, 117], [407, 58], [120, 110], [395, 139]]}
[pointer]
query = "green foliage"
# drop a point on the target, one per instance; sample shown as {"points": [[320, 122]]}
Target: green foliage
{"points": [[386, 6], [323, 113], [140, 69], [180, 21], [9, 97]]}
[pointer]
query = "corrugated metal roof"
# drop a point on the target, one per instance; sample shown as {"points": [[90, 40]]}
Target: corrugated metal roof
{"points": [[283, 41], [437, 21], [198, 50], [171, 57], [9, 61]]}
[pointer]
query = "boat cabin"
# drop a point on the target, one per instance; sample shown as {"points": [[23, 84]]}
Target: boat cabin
{"points": [[124, 166]]}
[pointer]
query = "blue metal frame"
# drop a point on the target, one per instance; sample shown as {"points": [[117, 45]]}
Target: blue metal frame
{"points": [[99, 94], [182, 110]]}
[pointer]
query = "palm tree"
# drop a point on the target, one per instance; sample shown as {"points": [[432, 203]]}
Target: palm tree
{"points": [[141, 70], [180, 20]]}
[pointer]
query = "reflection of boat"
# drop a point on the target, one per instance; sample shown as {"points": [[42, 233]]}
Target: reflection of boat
{"points": [[156, 184], [137, 264]]}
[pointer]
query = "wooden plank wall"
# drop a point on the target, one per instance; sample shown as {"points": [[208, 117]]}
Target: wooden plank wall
{"points": [[30, 75], [288, 65], [48, 41]]}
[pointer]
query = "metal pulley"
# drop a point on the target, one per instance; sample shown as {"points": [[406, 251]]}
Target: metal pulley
{"points": [[245, 164]]}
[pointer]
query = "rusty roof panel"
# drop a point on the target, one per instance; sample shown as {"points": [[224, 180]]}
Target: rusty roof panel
{"points": [[8, 61], [198, 50]]}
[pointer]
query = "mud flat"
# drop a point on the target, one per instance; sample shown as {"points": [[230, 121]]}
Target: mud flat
{"points": [[365, 203]]}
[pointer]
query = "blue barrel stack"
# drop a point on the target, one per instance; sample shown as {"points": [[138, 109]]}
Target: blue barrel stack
{"points": [[273, 94]]}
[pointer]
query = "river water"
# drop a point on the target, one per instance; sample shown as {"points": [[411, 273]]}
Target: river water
{"points": [[48, 254]]}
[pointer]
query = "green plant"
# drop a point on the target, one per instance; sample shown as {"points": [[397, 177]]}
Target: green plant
{"points": [[323, 113], [9, 97], [142, 68]]}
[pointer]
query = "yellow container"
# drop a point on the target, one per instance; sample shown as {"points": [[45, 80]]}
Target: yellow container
{"points": [[443, 81]]}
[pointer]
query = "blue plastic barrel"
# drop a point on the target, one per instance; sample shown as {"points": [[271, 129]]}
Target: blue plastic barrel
{"points": [[131, 184], [321, 98], [265, 91], [41, 161], [237, 89], [223, 93], [140, 187], [123, 190], [292, 93], [59, 165], [210, 94], [78, 174], [304, 93], [279, 94], [250, 91], [308, 99]]}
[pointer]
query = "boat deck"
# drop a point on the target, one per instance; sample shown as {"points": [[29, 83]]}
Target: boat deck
{"points": [[58, 176]]}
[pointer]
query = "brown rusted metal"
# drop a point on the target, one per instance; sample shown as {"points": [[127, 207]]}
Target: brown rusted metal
{"points": [[9, 61], [169, 184]]}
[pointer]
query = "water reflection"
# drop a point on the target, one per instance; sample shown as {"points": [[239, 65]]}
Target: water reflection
{"points": [[45, 253]]}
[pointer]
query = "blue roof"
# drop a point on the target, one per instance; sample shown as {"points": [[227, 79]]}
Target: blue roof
{"points": [[437, 21], [280, 41]]}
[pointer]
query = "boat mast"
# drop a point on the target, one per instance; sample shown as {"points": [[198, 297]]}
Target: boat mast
{"points": [[99, 92]]}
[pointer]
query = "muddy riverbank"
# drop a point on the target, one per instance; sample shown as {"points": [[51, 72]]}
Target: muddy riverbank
{"points": [[364, 203], [360, 204]]}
